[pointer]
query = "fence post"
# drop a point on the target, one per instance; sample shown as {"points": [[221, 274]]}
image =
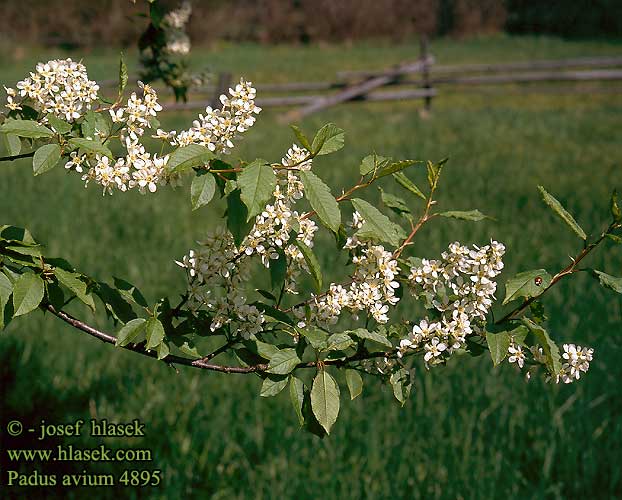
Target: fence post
{"points": [[222, 86], [425, 74]]}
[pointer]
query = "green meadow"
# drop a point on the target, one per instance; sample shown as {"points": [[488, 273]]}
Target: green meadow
{"points": [[469, 430]]}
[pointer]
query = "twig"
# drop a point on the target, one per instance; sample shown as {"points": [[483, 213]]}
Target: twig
{"points": [[17, 157]]}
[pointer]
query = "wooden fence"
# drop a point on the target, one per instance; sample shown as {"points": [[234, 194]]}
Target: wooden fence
{"points": [[420, 79]]}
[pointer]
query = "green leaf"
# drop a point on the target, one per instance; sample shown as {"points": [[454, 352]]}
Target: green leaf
{"points": [[27, 293], [6, 290], [526, 284], [328, 139], [550, 349], [92, 146], [561, 212], [395, 203], [406, 183], [237, 217], [402, 384], [372, 163], [498, 344], [283, 362], [187, 157], [61, 126], [272, 385], [202, 190], [95, 122], [316, 337], [312, 263], [26, 128], [76, 285], [163, 350], [377, 225], [278, 270], [395, 167], [130, 292], [325, 399], [474, 215], [32, 251], [265, 350], [355, 383], [131, 331], [608, 281], [19, 234], [362, 333], [321, 199], [274, 313], [11, 143], [45, 158], [297, 396], [302, 138], [154, 332], [614, 238], [123, 76], [338, 342], [256, 182], [116, 305]]}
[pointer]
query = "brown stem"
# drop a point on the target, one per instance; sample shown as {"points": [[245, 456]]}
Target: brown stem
{"points": [[569, 269], [17, 157]]}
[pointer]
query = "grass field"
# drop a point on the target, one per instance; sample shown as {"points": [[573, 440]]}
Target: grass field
{"points": [[468, 431]]}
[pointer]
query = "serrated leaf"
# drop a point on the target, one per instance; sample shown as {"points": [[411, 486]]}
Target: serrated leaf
{"points": [[377, 225], [328, 139], [498, 344], [131, 331], [297, 396], [187, 157], [265, 350], [406, 183], [312, 263], [316, 337], [395, 166], [473, 215], [608, 281], [355, 383], [325, 399], [45, 158], [202, 190], [526, 284], [402, 384], [372, 163], [130, 292], [11, 143], [321, 200], [76, 285], [26, 128], [272, 385], [115, 303], [302, 138], [395, 203], [61, 126], [154, 333], [28, 293], [283, 362], [256, 182], [163, 350], [362, 333], [562, 213], [6, 290], [338, 342], [237, 217], [549, 347], [92, 146], [614, 238]]}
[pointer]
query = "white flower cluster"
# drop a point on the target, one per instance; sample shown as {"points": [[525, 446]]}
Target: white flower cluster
{"points": [[461, 287], [219, 127], [174, 23], [211, 269], [219, 264], [60, 86], [576, 360], [138, 169], [372, 288]]}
